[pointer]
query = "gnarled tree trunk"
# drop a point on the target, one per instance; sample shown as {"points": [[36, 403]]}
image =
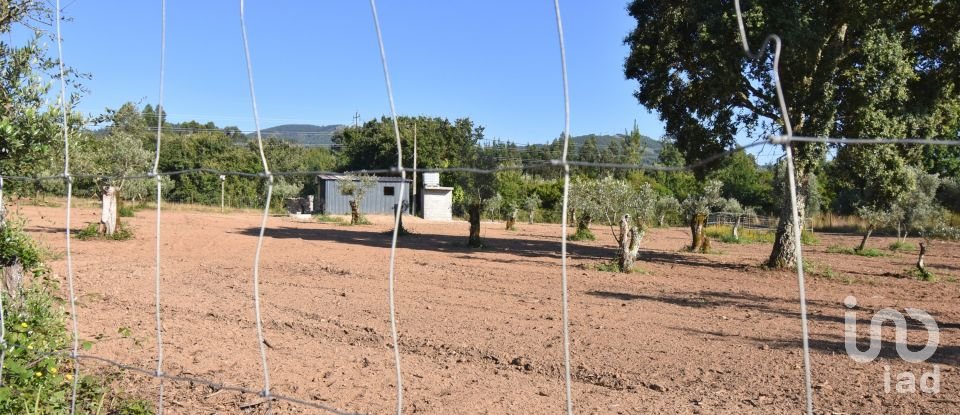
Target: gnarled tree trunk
{"points": [[474, 211], [108, 210], [530, 218], [354, 212], [630, 237], [512, 220], [784, 246], [698, 232], [923, 251]]}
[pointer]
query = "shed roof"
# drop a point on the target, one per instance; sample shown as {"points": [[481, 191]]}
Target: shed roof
{"points": [[379, 179]]}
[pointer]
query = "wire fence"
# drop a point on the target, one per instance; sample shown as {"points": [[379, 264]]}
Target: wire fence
{"points": [[563, 165]]}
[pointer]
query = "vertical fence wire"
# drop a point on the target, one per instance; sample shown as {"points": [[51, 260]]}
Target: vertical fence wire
{"points": [[266, 212], [156, 165], [3, 323], [69, 183], [563, 221], [396, 222], [791, 179]]}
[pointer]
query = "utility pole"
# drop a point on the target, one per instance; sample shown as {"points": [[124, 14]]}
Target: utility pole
{"points": [[356, 119], [413, 204], [222, 180]]}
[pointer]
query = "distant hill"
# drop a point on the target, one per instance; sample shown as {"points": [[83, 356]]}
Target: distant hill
{"points": [[308, 135]]}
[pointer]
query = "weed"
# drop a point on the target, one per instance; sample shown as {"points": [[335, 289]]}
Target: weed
{"points": [[324, 218], [126, 211], [614, 266], [92, 231], [583, 235], [867, 252], [901, 246], [922, 275]]}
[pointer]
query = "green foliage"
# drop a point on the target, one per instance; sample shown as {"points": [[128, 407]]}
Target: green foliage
{"points": [[899, 246], [92, 232], [16, 245], [746, 182], [747, 236], [867, 252], [125, 211], [330, 219], [583, 235], [702, 203], [38, 375], [921, 274]]}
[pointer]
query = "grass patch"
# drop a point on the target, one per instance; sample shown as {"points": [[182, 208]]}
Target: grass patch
{"points": [[324, 218], [901, 246], [126, 211], [92, 232], [724, 233], [614, 266], [867, 252], [583, 235], [922, 275]]}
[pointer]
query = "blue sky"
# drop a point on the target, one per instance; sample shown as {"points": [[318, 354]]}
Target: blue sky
{"points": [[315, 62]]}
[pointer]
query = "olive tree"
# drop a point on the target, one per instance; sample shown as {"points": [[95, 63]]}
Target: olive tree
{"points": [[356, 187], [625, 210], [916, 209], [531, 204], [666, 206], [696, 208]]}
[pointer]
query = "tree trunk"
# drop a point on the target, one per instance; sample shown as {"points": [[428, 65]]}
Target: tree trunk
{"points": [[354, 212], [863, 242], [108, 210], [573, 218], [923, 251], [530, 218], [630, 237], [512, 220], [474, 211], [736, 228], [584, 224], [401, 231], [13, 281], [784, 253], [661, 219], [697, 230]]}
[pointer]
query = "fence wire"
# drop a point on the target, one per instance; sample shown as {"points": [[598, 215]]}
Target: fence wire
{"points": [[786, 140]]}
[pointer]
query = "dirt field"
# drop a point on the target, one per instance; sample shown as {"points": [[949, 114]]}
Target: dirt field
{"points": [[481, 329]]}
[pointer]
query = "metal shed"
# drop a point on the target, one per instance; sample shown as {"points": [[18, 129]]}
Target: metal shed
{"points": [[379, 199]]}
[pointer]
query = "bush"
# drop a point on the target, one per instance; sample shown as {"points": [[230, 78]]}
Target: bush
{"points": [[38, 375], [583, 235], [126, 211], [16, 245], [901, 246], [324, 218], [922, 275]]}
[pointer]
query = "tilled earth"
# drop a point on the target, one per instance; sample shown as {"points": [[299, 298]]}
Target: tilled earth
{"points": [[480, 330]]}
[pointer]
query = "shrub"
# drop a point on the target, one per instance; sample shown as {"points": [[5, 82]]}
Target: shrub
{"points": [[126, 211], [38, 375], [901, 246], [583, 235], [92, 231], [867, 252]]}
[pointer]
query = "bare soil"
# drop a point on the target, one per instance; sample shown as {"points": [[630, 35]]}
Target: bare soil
{"points": [[481, 329]]}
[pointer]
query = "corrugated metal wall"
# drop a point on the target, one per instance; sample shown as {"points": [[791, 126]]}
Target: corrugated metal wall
{"points": [[374, 202]]}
